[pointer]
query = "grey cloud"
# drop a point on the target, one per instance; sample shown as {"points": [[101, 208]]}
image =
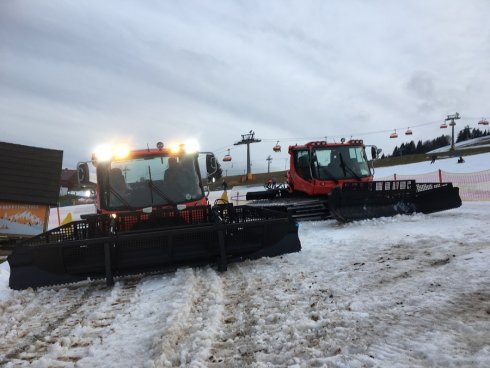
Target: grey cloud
{"points": [[421, 84], [163, 69]]}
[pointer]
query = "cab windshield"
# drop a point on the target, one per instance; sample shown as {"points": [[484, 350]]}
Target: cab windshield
{"points": [[341, 162], [153, 181]]}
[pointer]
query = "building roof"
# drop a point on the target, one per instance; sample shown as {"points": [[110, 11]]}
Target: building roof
{"points": [[69, 178], [29, 174]]}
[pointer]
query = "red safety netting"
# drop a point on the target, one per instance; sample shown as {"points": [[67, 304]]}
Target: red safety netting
{"points": [[472, 186]]}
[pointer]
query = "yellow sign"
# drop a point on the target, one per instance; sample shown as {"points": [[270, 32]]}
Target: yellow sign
{"points": [[17, 219]]}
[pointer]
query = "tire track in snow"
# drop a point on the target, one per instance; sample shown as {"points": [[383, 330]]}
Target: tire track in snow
{"points": [[444, 305], [31, 314], [193, 323], [235, 346], [415, 330], [268, 305], [68, 338]]}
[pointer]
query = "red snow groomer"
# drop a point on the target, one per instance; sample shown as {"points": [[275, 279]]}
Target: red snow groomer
{"points": [[152, 215], [335, 180]]}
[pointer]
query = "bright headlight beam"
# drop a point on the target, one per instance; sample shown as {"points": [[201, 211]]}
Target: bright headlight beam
{"points": [[121, 151], [103, 153], [191, 146], [174, 148], [108, 152]]}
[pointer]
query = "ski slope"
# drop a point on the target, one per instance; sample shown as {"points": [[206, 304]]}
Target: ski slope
{"points": [[407, 291], [472, 164]]}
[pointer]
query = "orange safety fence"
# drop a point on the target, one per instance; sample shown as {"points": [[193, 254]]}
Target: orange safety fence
{"points": [[472, 186]]}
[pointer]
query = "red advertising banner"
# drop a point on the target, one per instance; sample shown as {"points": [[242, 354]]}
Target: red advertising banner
{"points": [[17, 219]]}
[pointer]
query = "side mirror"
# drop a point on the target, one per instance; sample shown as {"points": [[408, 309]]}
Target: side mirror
{"points": [[211, 164], [83, 174], [374, 152]]}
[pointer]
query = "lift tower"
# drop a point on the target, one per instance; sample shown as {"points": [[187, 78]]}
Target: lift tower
{"points": [[452, 124], [248, 139], [268, 159]]}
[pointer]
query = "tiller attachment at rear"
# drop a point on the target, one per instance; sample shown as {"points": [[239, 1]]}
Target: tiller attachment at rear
{"points": [[358, 201], [100, 246]]}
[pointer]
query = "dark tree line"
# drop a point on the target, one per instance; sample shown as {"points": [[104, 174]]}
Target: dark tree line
{"points": [[411, 148], [468, 133]]}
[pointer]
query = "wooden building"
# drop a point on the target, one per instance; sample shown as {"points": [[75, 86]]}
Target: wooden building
{"points": [[29, 184]]}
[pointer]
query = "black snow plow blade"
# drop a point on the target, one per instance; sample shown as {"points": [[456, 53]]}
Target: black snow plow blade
{"points": [[157, 242], [299, 207], [267, 194], [358, 201]]}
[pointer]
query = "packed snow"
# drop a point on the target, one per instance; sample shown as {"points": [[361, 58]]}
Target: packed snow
{"points": [[473, 163], [406, 291], [469, 143]]}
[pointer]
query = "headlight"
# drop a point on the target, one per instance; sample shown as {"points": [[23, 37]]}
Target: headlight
{"points": [[121, 151], [107, 152], [175, 148], [191, 146], [103, 153]]}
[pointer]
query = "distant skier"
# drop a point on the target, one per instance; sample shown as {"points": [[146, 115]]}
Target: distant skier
{"points": [[434, 157], [460, 160]]}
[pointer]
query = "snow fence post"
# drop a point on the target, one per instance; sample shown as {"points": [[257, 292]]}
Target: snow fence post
{"points": [[440, 176]]}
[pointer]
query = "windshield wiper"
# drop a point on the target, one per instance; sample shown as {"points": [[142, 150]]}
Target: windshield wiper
{"points": [[120, 198], [327, 173], [346, 167], [158, 191], [324, 170]]}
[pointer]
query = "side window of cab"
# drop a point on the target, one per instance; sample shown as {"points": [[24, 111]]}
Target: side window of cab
{"points": [[302, 164]]}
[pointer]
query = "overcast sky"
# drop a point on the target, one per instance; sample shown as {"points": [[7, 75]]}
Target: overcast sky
{"points": [[75, 74]]}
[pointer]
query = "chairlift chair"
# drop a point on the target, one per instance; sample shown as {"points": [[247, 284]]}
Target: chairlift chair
{"points": [[277, 147], [408, 132], [483, 121], [227, 157], [443, 126], [394, 134]]}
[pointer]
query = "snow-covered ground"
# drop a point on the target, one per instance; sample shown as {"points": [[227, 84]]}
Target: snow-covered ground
{"points": [[473, 163], [407, 291], [470, 143]]}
